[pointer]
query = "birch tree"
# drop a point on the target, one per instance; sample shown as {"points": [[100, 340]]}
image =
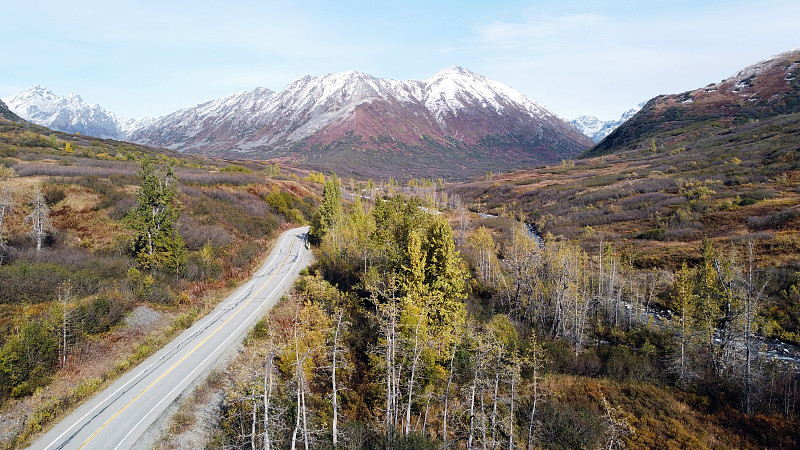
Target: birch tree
{"points": [[684, 299], [6, 209], [39, 218], [754, 291]]}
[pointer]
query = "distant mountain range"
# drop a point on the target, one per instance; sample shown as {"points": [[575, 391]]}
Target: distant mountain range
{"points": [[598, 129], [764, 90], [70, 114], [456, 123]]}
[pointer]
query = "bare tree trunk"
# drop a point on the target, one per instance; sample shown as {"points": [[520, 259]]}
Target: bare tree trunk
{"points": [[447, 395], [6, 208], [305, 417], [494, 401], [483, 418], [511, 418], [334, 429], [425, 420], [297, 420], [414, 362], [268, 382], [64, 294], [253, 420], [751, 308], [39, 217], [473, 388]]}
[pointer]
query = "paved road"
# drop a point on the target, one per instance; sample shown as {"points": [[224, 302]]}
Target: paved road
{"points": [[117, 417]]}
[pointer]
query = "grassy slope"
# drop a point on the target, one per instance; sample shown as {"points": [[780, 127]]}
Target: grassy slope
{"points": [[658, 207], [7, 113], [233, 214]]}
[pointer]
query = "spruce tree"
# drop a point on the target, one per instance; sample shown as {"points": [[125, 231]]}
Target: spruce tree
{"points": [[330, 212], [156, 241]]}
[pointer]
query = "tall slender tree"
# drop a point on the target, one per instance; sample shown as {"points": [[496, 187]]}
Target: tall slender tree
{"points": [[156, 241], [330, 211], [6, 209], [39, 218]]}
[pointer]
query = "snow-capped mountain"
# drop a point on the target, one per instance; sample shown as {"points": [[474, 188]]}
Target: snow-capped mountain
{"points": [[456, 121], [598, 129], [69, 114], [761, 91]]}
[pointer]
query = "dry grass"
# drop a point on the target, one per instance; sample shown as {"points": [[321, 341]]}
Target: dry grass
{"points": [[668, 418]]}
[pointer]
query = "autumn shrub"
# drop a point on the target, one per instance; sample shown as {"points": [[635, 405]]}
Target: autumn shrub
{"points": [[568, 426], [244, 255], [27, 359], [54, 195], [37, 282], [120, 207], [246, 213], [28, 169], [196, 235], [622, 364], [235, 168], [204, 178], [99, 314], [31, 139], [772, 221], [656, 234]]}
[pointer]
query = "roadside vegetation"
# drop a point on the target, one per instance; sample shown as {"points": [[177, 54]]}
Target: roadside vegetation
{"points": [[398, 338], [654, 205], [107, 249]]}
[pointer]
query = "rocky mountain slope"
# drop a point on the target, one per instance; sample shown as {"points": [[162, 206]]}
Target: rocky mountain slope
{"points": [[763, 90], [7, 113], [70, 114], [598, 129], [456, 123]]}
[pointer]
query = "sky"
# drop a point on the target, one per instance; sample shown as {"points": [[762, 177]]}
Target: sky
{"points": [[599, 58]]}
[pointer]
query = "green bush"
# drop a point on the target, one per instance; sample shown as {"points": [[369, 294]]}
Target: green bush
{"points": [[656, 234], [27, 359], [101, 313], [235, 168]]}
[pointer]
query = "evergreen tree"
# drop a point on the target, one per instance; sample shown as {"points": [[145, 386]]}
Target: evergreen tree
{"points": [[330, 212], [156, 241]]}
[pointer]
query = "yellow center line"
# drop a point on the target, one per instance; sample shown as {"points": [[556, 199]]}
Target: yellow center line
{"points": [[193, 350]]}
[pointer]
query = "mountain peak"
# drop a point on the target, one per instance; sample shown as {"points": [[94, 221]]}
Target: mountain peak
{"points": [[760, 91], [456, 71], [429, 121], [40, 105]]}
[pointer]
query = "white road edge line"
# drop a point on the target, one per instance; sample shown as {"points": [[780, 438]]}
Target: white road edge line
{"points": [[236, 333], [243, 289]]}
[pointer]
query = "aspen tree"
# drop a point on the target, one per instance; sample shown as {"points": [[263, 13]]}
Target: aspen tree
{"points": [[39, 218], [685, 301], [754, 291], [6, 209]]}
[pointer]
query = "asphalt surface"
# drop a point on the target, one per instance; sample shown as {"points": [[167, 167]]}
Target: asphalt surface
{"points": [[118, 416]]}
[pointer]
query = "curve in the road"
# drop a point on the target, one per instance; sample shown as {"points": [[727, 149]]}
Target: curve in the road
{"points": [[236, 301]]}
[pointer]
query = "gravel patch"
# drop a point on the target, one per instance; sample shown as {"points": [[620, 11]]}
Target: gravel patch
{"points": [[141, 318]]}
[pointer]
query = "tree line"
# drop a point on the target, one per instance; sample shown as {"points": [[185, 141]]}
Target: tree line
{"points": [[381, 348]]}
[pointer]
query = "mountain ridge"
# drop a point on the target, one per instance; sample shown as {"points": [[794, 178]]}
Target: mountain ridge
{"points": [[598, 129], [70, 114], [762, 90], [6, 113], [333, 120]]}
